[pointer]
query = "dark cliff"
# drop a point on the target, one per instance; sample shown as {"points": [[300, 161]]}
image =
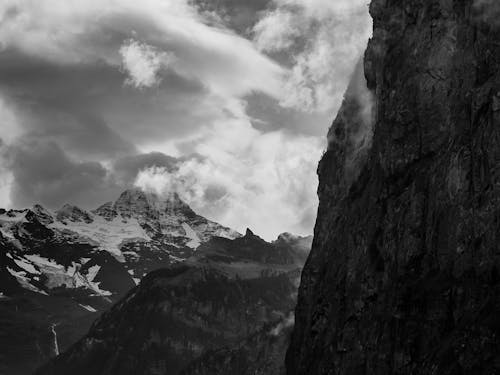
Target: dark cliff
{"points": [[403, 277]]}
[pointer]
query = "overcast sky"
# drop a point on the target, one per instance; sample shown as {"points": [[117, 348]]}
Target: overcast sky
{"points": [[226, 101]]}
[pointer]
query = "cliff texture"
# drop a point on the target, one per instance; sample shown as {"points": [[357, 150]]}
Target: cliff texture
{"points": [[403, 277]]}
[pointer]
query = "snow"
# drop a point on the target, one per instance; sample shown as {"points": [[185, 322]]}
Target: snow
{"points": [[28, 267], [71, 277], [14, 216], [107, 235], [177, 259], [92, 272], [88, 307], [136, 280], [191, 234], [24, 281]]}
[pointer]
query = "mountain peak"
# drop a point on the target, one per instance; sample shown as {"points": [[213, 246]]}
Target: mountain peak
{"points": [[106, 211], [149, 204], [73, 213], [42, 214]]}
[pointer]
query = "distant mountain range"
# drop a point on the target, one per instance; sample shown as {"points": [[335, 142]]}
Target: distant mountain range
{"points": [[60, 270]]}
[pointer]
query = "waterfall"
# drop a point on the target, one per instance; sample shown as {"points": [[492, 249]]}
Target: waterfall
{"points": [[54, 334]]}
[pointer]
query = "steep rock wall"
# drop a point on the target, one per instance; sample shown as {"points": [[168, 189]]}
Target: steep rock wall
{"points": [[403, 277]]}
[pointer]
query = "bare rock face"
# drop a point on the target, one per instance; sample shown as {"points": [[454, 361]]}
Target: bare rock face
{"points": [[403, 277]]}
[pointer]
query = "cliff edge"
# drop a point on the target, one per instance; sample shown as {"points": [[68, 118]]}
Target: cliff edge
{"points": [[403, 277]]}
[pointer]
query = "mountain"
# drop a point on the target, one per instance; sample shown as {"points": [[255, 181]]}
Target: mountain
{"points": [[59, 270], [136, 234], [403, 276], [228, 292]]}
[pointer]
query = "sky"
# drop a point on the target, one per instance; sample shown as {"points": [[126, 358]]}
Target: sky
{"points": [[226, 102]]}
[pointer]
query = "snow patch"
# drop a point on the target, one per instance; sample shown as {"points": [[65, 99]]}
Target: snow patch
{"points": [[88, 308], [28, 267], [24, 281], [191, 234], [107, 235], [70, 277]]}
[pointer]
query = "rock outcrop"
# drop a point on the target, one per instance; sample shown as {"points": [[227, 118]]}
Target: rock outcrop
{"points": [[403, 277]]}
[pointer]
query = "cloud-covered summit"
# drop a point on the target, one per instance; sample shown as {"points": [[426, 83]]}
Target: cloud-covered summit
{"points": [[231, 99]]}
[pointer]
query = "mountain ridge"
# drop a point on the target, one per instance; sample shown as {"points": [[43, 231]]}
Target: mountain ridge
{"points": [[61, 269]]}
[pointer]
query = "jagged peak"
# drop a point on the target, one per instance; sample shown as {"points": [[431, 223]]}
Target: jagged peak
{"points": [[43, 215], [73, 213], [252, 237], [136, 201], [106, 211]]}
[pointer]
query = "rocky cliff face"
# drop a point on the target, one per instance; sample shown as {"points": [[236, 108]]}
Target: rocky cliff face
{"points": [[403, 277]]}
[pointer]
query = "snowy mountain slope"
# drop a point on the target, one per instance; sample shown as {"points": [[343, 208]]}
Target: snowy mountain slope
{"points": [[140, 231], [59, 270]]}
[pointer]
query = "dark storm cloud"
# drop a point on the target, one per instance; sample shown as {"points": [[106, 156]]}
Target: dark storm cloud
{"points": [[90, 85], [87, 108], [44, 173], [126, 169], [239, 15]]}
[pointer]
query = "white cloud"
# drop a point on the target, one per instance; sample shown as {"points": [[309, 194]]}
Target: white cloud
{"points": [[5, 186], [9, 123], [247, 179], [277, 30], [9, 132], [142, 62], [76, 32], [335, 34]]}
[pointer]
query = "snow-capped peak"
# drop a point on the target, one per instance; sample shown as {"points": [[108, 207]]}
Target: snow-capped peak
{"points": [[74, 214], [149, 205], [42, 214]]}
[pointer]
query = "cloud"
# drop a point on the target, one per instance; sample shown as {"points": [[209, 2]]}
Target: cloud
{"points": [[72, 32], [9, 120], [287, 322], [325, 39], [239, 15], [66, 60], [142, 62], [266, 181], [39, 171], [251, 110], [278, 30], [43, 173], [125, 170]]}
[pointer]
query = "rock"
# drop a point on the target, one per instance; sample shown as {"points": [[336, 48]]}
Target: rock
{"points": [[403, 276]]}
